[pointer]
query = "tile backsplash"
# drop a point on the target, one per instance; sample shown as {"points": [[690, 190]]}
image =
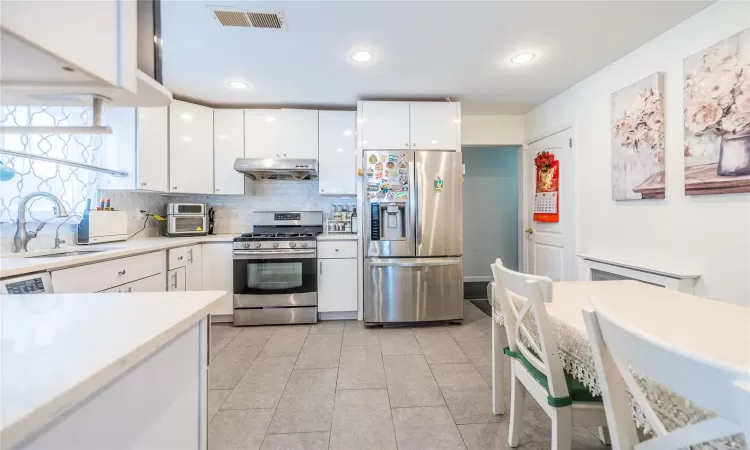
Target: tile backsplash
{"points": [[232, 211]]}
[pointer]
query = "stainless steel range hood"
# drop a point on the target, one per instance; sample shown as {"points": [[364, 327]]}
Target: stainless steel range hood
{"points": [[277, 169]]}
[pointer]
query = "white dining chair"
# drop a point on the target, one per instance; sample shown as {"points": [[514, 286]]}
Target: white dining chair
{"points": [[619, 348], [537, 369], [499, 342]]}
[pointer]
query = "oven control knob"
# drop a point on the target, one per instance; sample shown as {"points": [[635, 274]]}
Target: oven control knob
{"points": [[292, 244], [304, 244], [275, 245], [257, 245], [245, 244]]}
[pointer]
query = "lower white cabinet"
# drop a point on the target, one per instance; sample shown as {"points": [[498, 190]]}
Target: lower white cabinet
{"points": [[176, 279], [105, 275], [190, 260], [154, 283], [337, 285], [194, 268], [218, 273]]}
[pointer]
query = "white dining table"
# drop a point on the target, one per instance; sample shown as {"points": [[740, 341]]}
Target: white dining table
{"points": [[710, 329]]}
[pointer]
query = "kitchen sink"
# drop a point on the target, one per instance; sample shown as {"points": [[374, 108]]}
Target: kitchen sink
{"points": [[61, 254]]}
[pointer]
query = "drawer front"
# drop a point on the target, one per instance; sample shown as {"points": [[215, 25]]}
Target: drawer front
{"points": [[337, 249], [108, 274], [178, 257]]}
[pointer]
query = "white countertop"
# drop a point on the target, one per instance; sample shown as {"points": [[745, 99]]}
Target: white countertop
{"points": [[337, 237], [58, 349], [12, 264]]}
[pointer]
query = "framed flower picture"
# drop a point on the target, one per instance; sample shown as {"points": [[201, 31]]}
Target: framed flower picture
{"points": [[716, 95], [638, 140]]}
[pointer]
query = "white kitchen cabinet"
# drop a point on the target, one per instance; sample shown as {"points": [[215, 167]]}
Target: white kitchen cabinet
{"points": [[190, 259], [152, 150], [336, 152], [104, 275], [337, 285], [194, 268], [218, 270], [229, 144], [385, 125], [58, 43], [434, 125], [139, 145], [176, 280], [299, 137], [263, 133], [154, 283], [191, 145]]}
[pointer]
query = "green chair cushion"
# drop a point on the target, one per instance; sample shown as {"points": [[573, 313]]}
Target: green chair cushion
{"points": [[576, 390]]}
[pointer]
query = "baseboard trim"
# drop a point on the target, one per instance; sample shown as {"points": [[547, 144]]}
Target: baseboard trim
{"points": [[338, 315], [222, 318], [475, 279]]}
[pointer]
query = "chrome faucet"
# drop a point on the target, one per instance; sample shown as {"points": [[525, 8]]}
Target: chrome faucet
{"points": [[22, 237], [59, 241]]}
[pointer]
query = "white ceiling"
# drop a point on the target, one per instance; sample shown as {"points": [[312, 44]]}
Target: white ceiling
{"points": [[427, 49]]}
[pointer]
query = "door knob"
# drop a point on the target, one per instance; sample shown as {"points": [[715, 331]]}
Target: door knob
{"points": [[530, 231]]}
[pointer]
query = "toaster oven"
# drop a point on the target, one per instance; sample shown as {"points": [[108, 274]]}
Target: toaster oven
{"points": [[187, 219]]}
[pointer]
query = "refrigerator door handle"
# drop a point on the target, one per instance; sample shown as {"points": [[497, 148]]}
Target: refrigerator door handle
{"points": [[417, 206], [415, 262]]}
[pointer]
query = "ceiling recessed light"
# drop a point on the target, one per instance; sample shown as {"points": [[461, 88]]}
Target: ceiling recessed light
{"points": [[187, 139], [347, 132], [238, 84], [362, 57], [186, 116], [222, 136], [456, 120], [270, 119], [522, 58]]}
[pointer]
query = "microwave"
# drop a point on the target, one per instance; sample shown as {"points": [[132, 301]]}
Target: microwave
{"points": [[187, 219]]}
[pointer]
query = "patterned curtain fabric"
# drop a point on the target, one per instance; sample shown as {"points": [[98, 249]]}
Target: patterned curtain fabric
{"points": [[72, 185]]}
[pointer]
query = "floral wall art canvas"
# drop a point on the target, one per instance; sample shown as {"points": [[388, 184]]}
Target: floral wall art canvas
{"points": [[716, 97], [638, 139]]}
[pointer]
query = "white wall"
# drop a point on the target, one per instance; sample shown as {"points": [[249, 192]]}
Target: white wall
{"points": [[709, 235], [491, 129]]}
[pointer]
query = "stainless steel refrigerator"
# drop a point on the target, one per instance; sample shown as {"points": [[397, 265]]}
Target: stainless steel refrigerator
{"points": [[413, 236]]}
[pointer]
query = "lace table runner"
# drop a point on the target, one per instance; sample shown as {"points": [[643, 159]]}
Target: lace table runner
{"points": [[673, 410]]}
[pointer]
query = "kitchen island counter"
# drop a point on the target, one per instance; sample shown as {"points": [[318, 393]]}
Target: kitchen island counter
{"points": [[63, 353]]}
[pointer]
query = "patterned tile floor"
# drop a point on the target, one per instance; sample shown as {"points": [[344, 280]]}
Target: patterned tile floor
{"points": [[339, 385]]}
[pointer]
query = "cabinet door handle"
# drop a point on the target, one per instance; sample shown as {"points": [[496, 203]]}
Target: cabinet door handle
{"points": [[143, 184], [321, 268], [335, 249], [175, 280], [122, 272], [217, 189], [284, 154], [413, 144], [174, 187], [406, 144], [277, 155], [179, 258], [190, 255], [130, 289]]}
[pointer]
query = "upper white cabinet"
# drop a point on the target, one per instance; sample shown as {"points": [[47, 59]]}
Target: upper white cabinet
{"points": [[434, 126], [152, 149], [263, 133], [336, 152], [139, 145], [299, 137], [191, 142], [73, 47], [385, 125], [410, 125], [229, 144]]}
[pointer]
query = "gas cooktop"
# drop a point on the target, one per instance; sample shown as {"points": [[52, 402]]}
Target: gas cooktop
{"points": [[264, 236]]}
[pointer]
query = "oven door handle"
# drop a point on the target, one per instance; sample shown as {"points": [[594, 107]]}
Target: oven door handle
{"points": [[250, 254]]}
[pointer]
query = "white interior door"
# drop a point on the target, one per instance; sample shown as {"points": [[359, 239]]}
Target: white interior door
{"points": [[549, 248]]}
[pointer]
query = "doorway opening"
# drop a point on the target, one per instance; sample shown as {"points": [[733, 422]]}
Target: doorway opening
{"points": [[490, 214]]}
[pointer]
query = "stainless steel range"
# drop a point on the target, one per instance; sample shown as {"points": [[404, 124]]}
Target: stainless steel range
{"points": [[276, 270]]}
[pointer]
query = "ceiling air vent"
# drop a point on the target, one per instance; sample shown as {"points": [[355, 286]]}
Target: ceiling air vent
{"points": [[251, 19]]}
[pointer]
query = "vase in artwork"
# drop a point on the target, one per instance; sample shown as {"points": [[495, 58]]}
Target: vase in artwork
{"points": [[734, 155]]}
